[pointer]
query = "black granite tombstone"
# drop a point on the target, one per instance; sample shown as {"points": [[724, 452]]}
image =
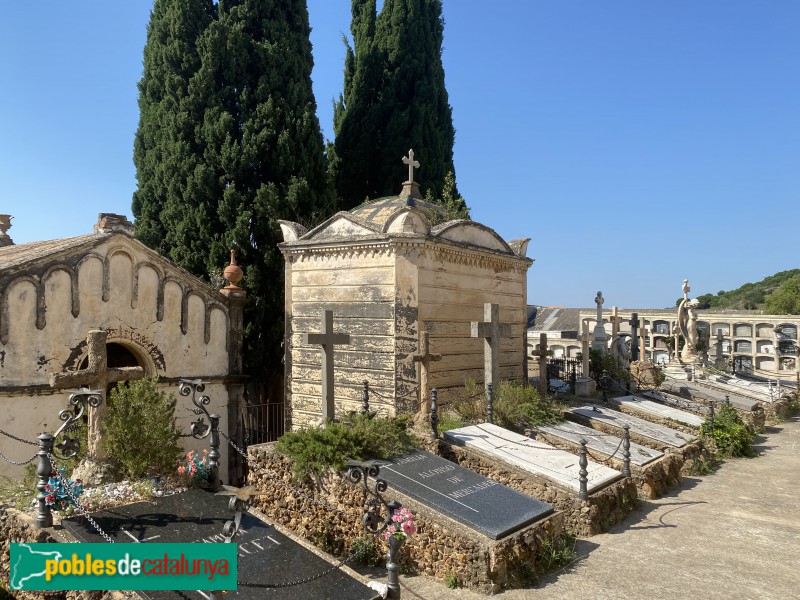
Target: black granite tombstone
{"points": [[474, 500], [266, 557]]}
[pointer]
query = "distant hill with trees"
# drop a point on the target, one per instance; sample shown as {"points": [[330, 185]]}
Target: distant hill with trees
{"points": [[777, 294]]}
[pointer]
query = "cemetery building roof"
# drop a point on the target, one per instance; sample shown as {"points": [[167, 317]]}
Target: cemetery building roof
{"points": [[19, 254], [555, 319], [398, 217]]}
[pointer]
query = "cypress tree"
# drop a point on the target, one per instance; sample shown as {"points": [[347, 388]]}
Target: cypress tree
{"points": [[394, 99], [233, 146], [264, 152], [168, 203]]}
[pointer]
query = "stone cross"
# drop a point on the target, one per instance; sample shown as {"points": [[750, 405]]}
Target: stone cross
{"points": [[543, 353], [412, 164], [327, 339], [97, 376], [424, 358], [585, 339], [600, 337], [634, 322], [615, 321], [491, 330]]}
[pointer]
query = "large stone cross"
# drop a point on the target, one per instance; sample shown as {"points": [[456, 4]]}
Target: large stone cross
{"points": [[600, 341], [491, 330], [97, 376], [327, 339], [424, 358], [543, 353], [412, 164]]}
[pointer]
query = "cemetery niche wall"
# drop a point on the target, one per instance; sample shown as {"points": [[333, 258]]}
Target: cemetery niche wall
{"points": [[392, 270], [152, 314]]}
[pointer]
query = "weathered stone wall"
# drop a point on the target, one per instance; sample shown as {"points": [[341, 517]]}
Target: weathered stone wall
{"points": [[454, 284], [358, 286], [330, 516], [172, 323]]}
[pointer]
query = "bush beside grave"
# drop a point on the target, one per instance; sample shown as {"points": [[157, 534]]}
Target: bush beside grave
{"points": [[141, 436]]}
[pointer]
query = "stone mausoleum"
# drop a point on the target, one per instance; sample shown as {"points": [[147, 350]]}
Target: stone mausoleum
{"points": [[391, 270], [151, 314]]}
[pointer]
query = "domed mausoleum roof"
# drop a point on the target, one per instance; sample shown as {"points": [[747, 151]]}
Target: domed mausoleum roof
{"points": [[406, 215]]}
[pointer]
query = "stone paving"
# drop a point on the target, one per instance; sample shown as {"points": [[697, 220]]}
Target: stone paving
{"points": [[732, 535]]}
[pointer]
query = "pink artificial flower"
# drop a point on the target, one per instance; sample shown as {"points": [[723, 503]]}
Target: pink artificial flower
{"points": [[409, 528], [181, 470]]}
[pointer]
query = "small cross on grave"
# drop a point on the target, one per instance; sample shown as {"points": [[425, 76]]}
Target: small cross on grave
{"points": [[634, 323], [98, 376], [327, 339], [412, 164], [424, 358], [543, 353], [491, 330]]}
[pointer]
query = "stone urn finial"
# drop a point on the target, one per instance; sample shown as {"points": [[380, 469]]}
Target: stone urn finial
{"points": [[233, 273], [5, 225]]}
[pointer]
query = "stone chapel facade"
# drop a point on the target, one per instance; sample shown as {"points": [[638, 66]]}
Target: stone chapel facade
{"points": [[157, 316], [391, 270]]}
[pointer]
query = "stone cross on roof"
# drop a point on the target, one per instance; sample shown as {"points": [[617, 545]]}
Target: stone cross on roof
{"points": [[491, 330], [96, 375], [424, 358], [412, 164], [327, 339]]}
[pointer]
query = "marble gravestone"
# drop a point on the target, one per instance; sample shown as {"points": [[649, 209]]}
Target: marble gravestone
{"points": [[476, 501], [597, 441], [533, 456], [265, 556], [648, 407], [658, 433]]}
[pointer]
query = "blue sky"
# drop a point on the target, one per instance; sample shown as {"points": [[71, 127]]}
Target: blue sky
{"points": [[636, 142]]}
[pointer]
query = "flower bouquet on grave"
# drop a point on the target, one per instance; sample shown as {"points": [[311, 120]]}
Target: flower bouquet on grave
{"points": [[61, 491], [195, 467], [401, 526]]}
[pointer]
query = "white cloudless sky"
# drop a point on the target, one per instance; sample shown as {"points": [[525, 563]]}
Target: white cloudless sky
{"points": [[636, 143]]}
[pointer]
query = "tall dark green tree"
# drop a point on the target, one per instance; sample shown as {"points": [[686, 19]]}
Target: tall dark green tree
{"points": [[394, 99], [174, 215], [258, 157]]}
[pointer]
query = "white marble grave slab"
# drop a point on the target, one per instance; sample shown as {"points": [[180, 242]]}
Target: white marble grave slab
{"points": [[601, 442], [676, 401], [531, 455], [660, 410], [613, 418]]}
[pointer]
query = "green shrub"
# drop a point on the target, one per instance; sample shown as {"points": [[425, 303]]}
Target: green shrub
{"points": [[731, 436], [514, 407], [451, 581], [314, 452], [365, 551], [140, 434]]}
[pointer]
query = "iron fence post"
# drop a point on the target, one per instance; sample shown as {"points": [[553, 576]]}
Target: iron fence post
{"points": [[489, 403], [365, 398], [434, 414], [583, 479], [213, 454], [626, 450], [44, 517]]}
